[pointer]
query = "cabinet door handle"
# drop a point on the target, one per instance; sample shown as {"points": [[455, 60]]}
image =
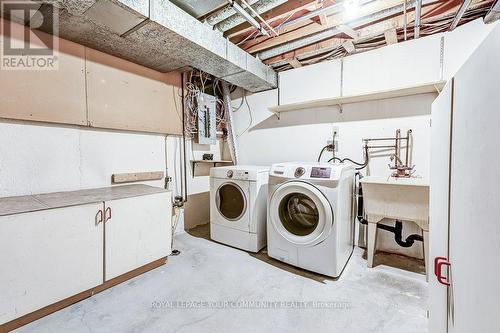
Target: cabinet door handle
{"points": [[98, 217], [439, 262], [108, 214]]}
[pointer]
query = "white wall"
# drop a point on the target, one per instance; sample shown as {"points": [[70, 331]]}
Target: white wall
{"points": [[40, 158]]}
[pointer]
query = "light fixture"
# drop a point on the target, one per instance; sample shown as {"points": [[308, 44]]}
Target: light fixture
{"points": [[240, 10], [351, 7]]}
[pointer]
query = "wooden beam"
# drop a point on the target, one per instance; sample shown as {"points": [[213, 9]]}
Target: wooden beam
{"points": [[348, 31], [323, 19], [119, 178], [334, 21], [294, 63], [365, 33], [391, 36], [349, 46], [329, 44]]}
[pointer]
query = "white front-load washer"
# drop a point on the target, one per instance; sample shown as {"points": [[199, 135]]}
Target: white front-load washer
{"points": [[310, 215], [238, 206]]}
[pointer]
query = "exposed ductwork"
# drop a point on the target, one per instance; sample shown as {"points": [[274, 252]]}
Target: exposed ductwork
{"points": [[159, 35], [493, 14]]}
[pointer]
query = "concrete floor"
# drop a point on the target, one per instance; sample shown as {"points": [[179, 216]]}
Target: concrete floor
{"points": [[169, 299]]}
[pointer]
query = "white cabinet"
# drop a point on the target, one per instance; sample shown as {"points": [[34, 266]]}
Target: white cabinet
{"points": [[58, 248], [137, 233], [47, 256], [469, 236]]}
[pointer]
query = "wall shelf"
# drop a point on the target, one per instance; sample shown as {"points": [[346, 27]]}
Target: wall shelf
{"points": [[432, 87], [213, 162]]}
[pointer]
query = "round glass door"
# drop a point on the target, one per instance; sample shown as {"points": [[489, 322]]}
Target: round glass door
{"points": [[231, 201], [298, 214]]}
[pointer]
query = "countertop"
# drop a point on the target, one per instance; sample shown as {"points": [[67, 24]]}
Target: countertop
{"points": [[32, 203]]}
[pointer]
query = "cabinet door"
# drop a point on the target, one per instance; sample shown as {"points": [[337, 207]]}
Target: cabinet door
{"points": [[439, 204], [138, 232], [124, 95], [475, 196], [47, 256]]}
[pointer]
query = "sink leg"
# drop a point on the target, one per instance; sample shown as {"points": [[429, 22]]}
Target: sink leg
{"points": [[426, 253], [372, 241]]}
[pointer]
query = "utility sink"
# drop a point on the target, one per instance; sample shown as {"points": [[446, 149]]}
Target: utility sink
{"points": [[404, 199], [396, 198]]}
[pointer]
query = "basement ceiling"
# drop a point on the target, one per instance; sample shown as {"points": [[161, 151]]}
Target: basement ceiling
{"points": [[310, 31], [159, 35]]}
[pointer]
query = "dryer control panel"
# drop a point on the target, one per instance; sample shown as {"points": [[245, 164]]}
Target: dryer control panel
{"points": [[237, 174]]}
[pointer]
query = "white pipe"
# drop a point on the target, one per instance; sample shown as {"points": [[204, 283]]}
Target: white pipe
{"points": [[247, 16], [418, 14], [461, 11], [493, 14]]}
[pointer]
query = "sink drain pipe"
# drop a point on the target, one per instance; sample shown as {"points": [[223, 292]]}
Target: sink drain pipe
{"points": [[397, 229]]}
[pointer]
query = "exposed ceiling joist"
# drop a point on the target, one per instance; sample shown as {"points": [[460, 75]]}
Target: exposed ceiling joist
{"points": [[294, 63], [315, 29], [349, 46], [332, 31], [371, 33], [348, 30], [391, 36]]}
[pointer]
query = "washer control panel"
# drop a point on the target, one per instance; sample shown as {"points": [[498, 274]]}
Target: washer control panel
{"points": [[321, 172]]}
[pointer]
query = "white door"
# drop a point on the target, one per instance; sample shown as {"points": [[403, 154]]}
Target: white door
{"points": [[48, 256], [439, 204], [475, 193], [230, 203], [300, 213], [137, 232]]}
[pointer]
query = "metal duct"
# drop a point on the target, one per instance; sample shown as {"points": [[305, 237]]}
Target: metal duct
{"points": [[231, 137], [493, 14]]}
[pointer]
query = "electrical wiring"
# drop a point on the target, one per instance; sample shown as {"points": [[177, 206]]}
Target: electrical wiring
{"points": [[249, 114], [200, 83]]}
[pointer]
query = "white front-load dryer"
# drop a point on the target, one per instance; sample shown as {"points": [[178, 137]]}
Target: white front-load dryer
{"points": [[238, 206], [311, 215]]}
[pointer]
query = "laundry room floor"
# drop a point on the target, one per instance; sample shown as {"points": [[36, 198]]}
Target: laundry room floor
{"points": [[210, 287]]}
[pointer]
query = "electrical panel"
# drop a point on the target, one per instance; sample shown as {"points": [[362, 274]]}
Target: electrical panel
{"points": [[207, 121]]}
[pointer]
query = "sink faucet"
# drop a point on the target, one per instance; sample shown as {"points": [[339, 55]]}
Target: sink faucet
{"points": [[402, 170]]}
